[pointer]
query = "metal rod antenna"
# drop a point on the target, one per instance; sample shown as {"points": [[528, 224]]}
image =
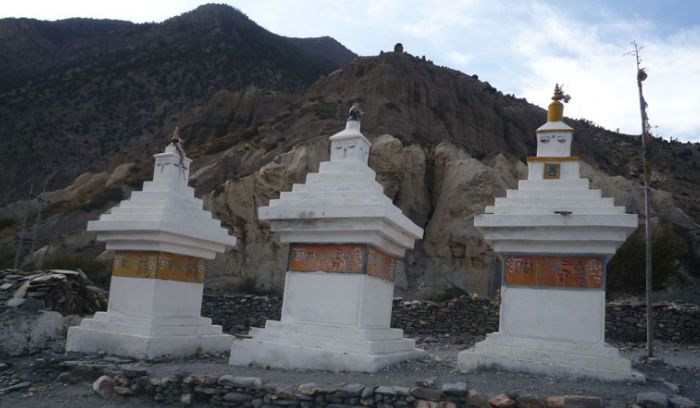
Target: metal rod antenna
{"points": [[20, 238], [36, 227], [641, 76]]}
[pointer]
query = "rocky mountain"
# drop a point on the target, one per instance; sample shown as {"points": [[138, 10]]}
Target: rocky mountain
{"points": [[444, 145], [80, 95]]}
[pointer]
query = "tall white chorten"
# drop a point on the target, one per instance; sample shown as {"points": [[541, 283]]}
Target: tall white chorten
{"points": [[345, 236], [162, 237], [554, 236]]}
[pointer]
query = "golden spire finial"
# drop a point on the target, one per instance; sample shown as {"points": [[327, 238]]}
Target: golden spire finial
{"points": [[555, 113]]}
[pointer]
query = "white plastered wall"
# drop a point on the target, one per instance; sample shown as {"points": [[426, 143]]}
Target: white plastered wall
{"points": [[571, 315], [339, 299], [154, 297]]}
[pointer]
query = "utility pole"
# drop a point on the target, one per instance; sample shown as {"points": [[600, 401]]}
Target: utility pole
{"points": [[36, 227], [20, 238], [646, 138]]}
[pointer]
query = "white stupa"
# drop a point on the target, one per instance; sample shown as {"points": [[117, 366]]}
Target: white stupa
{"points": [[344, 236], [554, 236], [162, 237]]}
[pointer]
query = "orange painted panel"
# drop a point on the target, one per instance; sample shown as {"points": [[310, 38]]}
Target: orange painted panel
{"points": [[380, 264], [327, 257], [557, 271], [349, 258]]}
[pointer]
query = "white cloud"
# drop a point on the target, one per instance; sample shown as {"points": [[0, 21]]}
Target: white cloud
{"points": [[603, 82], [460, 59]]}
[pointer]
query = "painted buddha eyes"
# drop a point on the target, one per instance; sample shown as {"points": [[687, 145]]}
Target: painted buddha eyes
{"points": [[547, 140], [352, 146]]}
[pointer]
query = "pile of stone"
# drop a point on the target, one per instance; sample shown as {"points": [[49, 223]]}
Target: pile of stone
{"points": [[238, 313], [10, 380], [466, 315], [674, 322], [661, 400], [462, 315], [64, 291], [233, 391]]}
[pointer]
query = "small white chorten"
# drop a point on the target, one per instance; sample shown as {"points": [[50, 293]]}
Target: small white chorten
{"points": [[345, 236], [554, 236], [162, 237]]}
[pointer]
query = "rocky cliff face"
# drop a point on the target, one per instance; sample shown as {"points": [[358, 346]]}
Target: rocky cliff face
{"points": [[444, 145]]}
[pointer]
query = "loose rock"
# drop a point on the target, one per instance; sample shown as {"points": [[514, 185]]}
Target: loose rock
{"points": [[677, 401], [428, 394], [237, 397], [529, 401], [502, 401], [651, 400], [458, 389], [104, 387]]}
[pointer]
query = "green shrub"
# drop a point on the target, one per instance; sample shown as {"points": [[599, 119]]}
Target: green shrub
{"points": [[7, 260], [103, 198], [626, 269], [249, 286], [326, 110], [7, 222], [448, 293]]}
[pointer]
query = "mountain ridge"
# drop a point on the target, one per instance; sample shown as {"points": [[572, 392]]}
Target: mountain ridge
{"points": [[444, 144], [120, 95]]}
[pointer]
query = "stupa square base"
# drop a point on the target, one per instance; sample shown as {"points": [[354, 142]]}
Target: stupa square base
{"points": [[538, 356], [147, 338], [320, 347]]}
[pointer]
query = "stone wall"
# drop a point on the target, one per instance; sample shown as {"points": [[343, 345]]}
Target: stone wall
{"points": [[231, 391], [466, 315], [238, 313], [673, 322], [463, 315]]}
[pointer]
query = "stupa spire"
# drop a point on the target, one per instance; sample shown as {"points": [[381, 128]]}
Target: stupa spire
{"points": [[175, 139], [350, 144], [555, 112]]}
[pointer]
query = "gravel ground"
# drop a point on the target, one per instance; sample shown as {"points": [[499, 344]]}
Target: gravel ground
{"points": [[680, 366]]}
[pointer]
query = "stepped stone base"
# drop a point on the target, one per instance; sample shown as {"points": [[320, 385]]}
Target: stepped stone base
{"points": [[333, 348], [599, 361], [147, 338]]}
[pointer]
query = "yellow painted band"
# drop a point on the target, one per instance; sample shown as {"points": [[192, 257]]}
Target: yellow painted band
{"points": [[158, 265], [554, 159]]}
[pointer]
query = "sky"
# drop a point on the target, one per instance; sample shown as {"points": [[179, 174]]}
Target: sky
{"points": [[520, 47]]}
